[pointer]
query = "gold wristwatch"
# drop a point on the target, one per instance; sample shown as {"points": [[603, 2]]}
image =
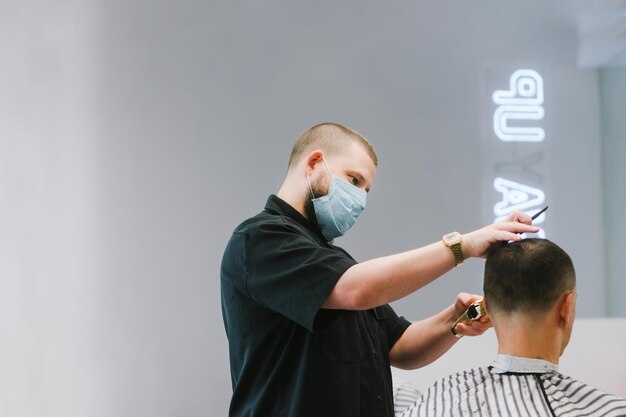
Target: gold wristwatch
{"points": [[453, 241]]}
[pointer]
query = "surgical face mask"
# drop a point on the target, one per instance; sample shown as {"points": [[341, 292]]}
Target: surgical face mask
{"points": [[338, 210]]}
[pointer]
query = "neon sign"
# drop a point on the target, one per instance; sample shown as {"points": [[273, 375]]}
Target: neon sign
{"points": [[519, 108]]}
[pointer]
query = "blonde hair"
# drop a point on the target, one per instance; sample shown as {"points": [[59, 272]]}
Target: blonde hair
{"points": [[330, 138]]}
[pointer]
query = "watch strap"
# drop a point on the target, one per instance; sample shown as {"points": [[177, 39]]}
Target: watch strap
{"points": [[458, 253]]}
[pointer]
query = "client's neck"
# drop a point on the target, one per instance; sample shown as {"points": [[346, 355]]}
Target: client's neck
{"points": [[528, 337]]}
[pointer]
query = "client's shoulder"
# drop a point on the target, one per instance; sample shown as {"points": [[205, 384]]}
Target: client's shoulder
{"points": [[451, 395], [567, 393], [463, 380]]}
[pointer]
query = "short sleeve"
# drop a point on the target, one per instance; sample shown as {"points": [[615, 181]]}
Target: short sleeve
{"points": [[291, 273], [394, 326]]}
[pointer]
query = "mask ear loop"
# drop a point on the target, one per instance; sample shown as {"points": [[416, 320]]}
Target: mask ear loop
{"points": [[309, 179], [327, 167]]}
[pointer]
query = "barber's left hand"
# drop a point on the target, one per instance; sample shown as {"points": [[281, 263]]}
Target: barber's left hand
{"points": [[477, 244], [478, 327]]}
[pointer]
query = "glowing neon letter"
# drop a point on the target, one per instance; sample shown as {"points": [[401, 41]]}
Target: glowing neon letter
{"points": [[515, 196], [523, 101]]}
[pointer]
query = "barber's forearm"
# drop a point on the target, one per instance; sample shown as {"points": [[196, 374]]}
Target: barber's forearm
{"points": [[382, 280], [424, 341]]}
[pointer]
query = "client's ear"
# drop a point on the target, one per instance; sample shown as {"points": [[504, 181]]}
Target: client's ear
{"points": [[485, 305], [566, 311]]}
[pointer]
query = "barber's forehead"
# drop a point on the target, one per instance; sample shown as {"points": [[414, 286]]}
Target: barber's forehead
{"points": [[353, 156]]}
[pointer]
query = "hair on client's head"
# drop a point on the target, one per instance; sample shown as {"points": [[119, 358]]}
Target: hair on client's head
{"points": [[527, 276]]}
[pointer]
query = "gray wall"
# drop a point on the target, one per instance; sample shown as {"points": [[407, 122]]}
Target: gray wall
{"points": [[136, 135]]}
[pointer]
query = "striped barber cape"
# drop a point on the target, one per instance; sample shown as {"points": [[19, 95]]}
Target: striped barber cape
{"points": [[514, 386]]}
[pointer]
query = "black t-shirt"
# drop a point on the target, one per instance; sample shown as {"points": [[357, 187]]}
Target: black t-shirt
{"points": [[288, 357]]}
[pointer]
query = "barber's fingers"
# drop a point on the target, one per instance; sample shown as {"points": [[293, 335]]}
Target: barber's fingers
{"points": [[515, 227], [463, 300], [505, 231], [518, 216], [477, 328], [478, 242]]}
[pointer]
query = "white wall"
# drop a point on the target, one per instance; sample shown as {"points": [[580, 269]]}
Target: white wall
{"points": [[135, 135], [613, 101], [50, 361]]}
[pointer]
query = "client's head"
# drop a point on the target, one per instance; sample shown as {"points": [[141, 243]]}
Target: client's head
{"points": [[530, 292]]}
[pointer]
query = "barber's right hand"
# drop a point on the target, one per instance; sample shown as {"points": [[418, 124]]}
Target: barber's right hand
{"points": [[477, 243], [475, 327]]}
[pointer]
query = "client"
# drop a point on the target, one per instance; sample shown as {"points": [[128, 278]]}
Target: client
{"points": [[530, 294]]}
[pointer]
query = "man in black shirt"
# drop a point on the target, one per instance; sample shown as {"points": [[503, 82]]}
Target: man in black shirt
{"points": [[310, 330]]}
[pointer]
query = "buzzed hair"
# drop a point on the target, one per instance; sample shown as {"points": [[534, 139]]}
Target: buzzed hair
{"points": [[330, 138], [527, 276]]}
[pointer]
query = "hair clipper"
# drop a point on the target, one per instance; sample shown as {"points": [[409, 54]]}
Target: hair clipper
{"points": [[473, 312]]}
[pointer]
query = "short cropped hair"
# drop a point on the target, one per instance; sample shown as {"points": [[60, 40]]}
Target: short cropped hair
{"points": [[330, 138], [527, 276]]}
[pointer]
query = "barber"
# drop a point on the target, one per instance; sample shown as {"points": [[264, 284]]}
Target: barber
{"points": [[310, 330]]}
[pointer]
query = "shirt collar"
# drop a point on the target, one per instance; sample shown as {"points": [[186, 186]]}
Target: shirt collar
{"points": [[508, 363], [279, 206]]}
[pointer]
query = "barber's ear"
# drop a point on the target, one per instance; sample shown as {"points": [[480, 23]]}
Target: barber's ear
{"points": [[566, 311], [313, 159]]}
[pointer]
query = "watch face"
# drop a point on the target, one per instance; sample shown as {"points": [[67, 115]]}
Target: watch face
{"points": [[452, 238]]}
